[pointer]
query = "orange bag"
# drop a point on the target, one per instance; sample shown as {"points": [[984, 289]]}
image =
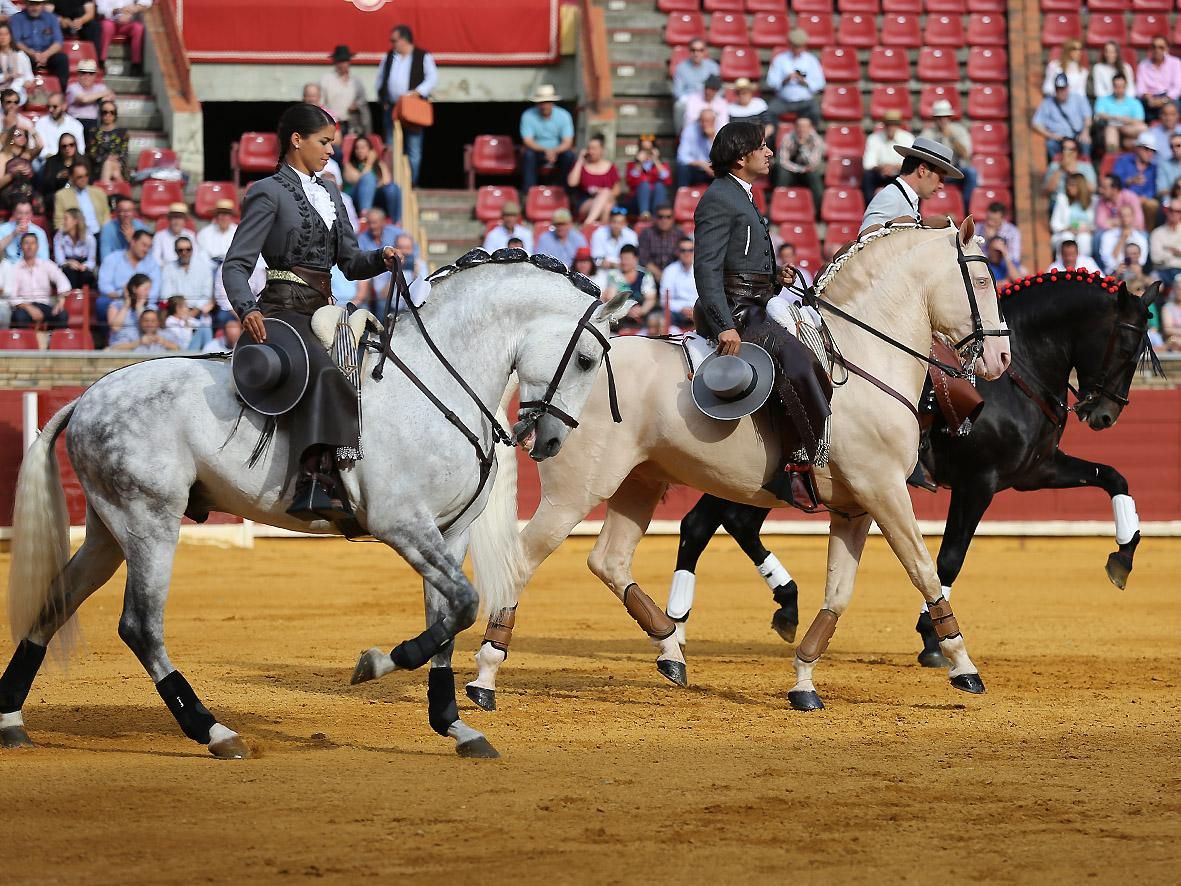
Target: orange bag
{"points": [[414, 110]]}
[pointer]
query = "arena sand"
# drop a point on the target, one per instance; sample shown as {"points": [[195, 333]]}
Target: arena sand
{"points": [[1066, 770]]}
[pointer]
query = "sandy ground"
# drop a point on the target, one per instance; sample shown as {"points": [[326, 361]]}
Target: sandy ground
{"points": [[1067, 769]]}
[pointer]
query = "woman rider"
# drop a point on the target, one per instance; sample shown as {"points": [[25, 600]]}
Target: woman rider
{"points": [[298, 224]]}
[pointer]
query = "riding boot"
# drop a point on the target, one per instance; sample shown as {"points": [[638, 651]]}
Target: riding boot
{"points": [[318, 491]]}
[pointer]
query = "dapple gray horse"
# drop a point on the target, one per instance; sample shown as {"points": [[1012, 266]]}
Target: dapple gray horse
{"points": [[164, 437]]}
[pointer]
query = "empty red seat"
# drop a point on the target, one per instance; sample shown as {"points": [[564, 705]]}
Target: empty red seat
{"points": [[842, 205], [769, 28], [19, 340], [889, 65], [864, 7], [113, 188], [818, 29], [493, 155], [989, 137], [766, 6], [810, 6], [993, 6], [993, 170], [934, 92], [741, 61], [727, 29], [981, 197], [906, 7], [944, 30], [948, 201], [678, 5], [987, 29], [71, 340], [678, 55], [723, 6], [901, 31], [792, 205], [843, 171], [843, 139], [937, 64], [686, 202], [758, 196], [1119, 6], [76, 50], [1147, 26], [802, 235], [988, 63], [857, 30], [1058, 27], [947, 7], [253, 153], [1060, 6], [1147, 5], [543, 201], [38, 92], [988, 102], [77, 305], [156, 158], [208, 195], [840, 65], [490, 201], [841, 102], [1104, 27], [155, 196], [838, 235], [889, 97], [682, 27]]}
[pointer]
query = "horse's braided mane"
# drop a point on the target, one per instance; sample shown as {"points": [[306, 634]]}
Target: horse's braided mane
{"points": [[1093, 278], [476, 257], [871, 235]]}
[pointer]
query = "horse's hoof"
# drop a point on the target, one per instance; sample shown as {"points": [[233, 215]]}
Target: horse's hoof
{"points": [[484, 698], [969, 683], [232, 748], [1119, 567], [933, 658], [805, 700], [675, 671], [367, 667], [477, 749], [12, 737], [784, 625]]}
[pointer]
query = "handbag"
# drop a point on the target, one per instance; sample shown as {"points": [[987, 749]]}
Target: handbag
{"points": [[414, 110]]}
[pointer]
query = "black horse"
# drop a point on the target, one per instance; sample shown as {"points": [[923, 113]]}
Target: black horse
{"points": [[1059, 323]]}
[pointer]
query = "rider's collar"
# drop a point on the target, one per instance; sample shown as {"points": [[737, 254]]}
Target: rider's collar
{"points": [[746, 186]]}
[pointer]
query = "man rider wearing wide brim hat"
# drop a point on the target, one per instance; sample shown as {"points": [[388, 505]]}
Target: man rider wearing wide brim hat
{"points": [[926, 165]]}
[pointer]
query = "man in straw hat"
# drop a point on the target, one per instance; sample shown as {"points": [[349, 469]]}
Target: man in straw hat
{"points": [[949, 132], [878, 161], [215, 238], [547, 131], [164, 242], [796, 78], [925, 166], [343, 96], [509, 227]]}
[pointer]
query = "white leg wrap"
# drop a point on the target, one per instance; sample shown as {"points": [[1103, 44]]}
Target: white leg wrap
{"points": [[9, 720], [1127, 521], [946, 595], [680, 595], [217, 733], [773, 572]]}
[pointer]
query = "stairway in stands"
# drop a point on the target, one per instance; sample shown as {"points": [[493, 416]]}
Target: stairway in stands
{"points": [[138, 111]]}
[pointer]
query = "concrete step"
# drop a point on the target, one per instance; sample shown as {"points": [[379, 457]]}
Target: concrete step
{"points": [[444, 251], [633, 17], [441, 198], [139, 111], [639, 115], [640, 79], [122, 84]]}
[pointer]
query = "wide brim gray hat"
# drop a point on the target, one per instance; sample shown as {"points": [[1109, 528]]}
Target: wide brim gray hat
{"points": [[933, 154], [729, 388], [271, 377]]}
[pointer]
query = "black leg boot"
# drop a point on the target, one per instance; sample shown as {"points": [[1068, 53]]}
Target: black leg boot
{"points": [[318, 494]]}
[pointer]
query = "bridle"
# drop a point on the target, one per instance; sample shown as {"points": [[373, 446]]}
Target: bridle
{"points": [[1111, 373]]}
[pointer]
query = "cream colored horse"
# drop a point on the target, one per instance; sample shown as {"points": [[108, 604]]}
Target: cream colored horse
{"points": [[906, 283]]}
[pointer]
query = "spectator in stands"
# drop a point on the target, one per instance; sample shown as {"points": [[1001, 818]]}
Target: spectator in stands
{"points": [[1004, 268], [1158, 78], [594, 183], [801, 159], [1131, 269], [1110, 63], [691, 74], [16, 73], [182, 327], [585, 264], [378, 233], [1070, 64], [1119, 114], [214, 239], [1137, 170], [997, 224], [1167, 125], [79, 20], [124, 18], [55, 124], [678, 289], [747, 105], [515, 243], [711, 97], [226, 339], [1073, 214], [115, 235], [19, 143], [350, 207], [547, 131], [365, 174], [16, 182], [944, 129], [607, 241], [413, 267], [84, 95], [629, 277], [1070, 259], [796, 78], [1164, 246], [116, 269], [509, 227], [109, 145], [787, 258], [190, 276], [16, 227], [1171, 320], [58, 169], [123, 309], [1112, 196], [693, 151], [658, 243], [344, 96], [38, 33], [648, 177], [312, 95], [562, 240], [164, 240], [405, 68], [1070, 162], [75, 250], [1063, 115], [36, 289], [81, 195], [150, 339], [1113, 241], [10, 101], [653, 324], [880, 161]]}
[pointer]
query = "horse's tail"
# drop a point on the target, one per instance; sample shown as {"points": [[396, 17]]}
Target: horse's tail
{"points": [[497, 557], [40, 534]]}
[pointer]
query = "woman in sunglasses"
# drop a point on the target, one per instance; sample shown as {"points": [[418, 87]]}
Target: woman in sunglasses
{"points": [[108, 148], [55, 174], [16, 181]]}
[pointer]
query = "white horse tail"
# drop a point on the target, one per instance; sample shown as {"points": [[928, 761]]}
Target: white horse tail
{"points": [[40, 534], [498, 559]]}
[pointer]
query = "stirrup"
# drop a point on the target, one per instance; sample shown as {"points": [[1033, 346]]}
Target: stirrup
{"points": [[795, 486], [315, 499]]}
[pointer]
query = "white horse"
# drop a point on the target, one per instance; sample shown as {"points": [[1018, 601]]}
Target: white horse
{"points": [[165, 437], [905, 281]]}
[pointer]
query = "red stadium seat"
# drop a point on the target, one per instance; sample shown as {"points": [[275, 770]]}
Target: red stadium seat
{"points": [[678, 55], [723, 6], [766, 6], [76, 50], [19, 340], [113, 188], [1147, 26], [38, 92], [890, 65], [947, 7], [948, 201], [769, 28], [841, 102], [208, 193], [1117, 6], [741, 61], [901, 31], [686, 202], [683, 27], [987, 29], [944, 30], [838, 235], [792, 205], [678, 5], [862, 7], [71, 340], [981, 197], [1060, 6], [904, 7], [988, 102], [890, 97], [490, 200], [937, 64], [988, 64], [818, 29], [782, 130], [841, 65], [842, 205], [543, 201], [77, 303], [993, 170], [842, 139], [155, 196], [932, 93], [858, 31], [1058, 27], [1104, 27], [989, 137], [758, 196], [253, 153], [990, 6], [802, 235], [156, 158], [843, 171], [491, 155], [811, 6], [727, 29], [1146, 5]]}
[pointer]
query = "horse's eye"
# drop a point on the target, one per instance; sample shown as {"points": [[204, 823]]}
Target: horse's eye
{"points": [[585, 363]]}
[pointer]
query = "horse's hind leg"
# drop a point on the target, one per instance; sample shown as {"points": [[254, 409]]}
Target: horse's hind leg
{"points": [[744, 523], [87, 571], [628, 514], [697, 528]]}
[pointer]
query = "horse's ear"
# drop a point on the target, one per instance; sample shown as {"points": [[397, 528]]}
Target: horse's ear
{"points": [[613, 309], [1154, 294], [967, 230], [1122, 295]]}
